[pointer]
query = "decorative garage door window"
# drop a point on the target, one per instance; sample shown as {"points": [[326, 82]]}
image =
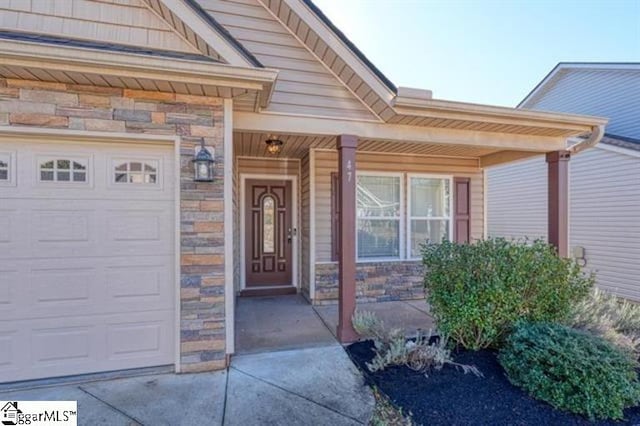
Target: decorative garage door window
{"points": [[63, 170], [136, 172], [5, 161]]}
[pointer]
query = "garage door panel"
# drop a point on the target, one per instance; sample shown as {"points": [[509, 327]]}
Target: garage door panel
{"points": [[87, 269], [66, 346], [42, 288]]}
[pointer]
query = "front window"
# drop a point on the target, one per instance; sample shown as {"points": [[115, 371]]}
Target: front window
{"points": [[378, 216], [430, 212]]}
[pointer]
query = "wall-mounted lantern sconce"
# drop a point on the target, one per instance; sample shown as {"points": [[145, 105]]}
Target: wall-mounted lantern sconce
{"points": [[203, 165], [273, 145]]}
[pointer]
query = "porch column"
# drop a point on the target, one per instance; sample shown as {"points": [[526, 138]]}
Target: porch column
{"points": [[347, 236], [558, 185]]}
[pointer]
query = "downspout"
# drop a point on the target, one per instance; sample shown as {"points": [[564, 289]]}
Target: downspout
{"points": [[597, 132]]}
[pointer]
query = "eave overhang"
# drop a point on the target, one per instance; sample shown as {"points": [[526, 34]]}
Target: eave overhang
{"points": [[511, 120], [67, 64]]}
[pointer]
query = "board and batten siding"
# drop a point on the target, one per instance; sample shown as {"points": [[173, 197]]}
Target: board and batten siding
{"points": [[304, 86], [326, 162], [604, 205], [127, 22]]}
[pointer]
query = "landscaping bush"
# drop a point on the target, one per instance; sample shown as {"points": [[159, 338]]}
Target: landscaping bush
{"points": [[478, 291], [609, 317], [571, 370]]}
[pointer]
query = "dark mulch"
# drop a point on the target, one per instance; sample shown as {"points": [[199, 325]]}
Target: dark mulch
{"points": [[450, 397]]}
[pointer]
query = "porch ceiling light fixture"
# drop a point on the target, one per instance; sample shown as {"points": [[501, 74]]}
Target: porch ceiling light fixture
{"points": [[273, 145], [203, 165]]}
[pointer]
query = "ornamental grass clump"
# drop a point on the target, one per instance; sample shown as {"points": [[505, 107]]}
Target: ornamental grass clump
{"points": [[478, 291], [571, 370], [391, 347], [605, 315]]}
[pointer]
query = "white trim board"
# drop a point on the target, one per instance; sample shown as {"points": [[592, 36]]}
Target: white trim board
{"points": [[229, 293], [294, 223]]}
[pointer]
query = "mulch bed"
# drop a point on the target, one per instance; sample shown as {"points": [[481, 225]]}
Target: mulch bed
{"points": [[450, 397]]}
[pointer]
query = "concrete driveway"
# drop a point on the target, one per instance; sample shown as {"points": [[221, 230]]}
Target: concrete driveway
{"points": [[313, 386]]}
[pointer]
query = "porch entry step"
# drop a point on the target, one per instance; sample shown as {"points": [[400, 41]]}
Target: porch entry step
{"points": [[268, 291]]}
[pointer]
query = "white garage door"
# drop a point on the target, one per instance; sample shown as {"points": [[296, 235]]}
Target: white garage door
{"points": [[86, 258]]}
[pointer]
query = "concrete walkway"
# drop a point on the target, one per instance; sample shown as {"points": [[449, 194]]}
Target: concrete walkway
{"points": [[313, 386]]}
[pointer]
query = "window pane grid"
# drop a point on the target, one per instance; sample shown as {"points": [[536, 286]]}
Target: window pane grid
{"points": [[60, 170], [430, 212], [135, 172]]}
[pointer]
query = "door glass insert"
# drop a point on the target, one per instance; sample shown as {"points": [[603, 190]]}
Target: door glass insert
{"points": [[268, 224]]}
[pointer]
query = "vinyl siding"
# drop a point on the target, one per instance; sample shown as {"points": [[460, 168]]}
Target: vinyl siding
{"points": [[304, 85], [112, 21], [517, 200], [305, 228], [605, 218], [327, 162], [605, 201], [610, 93]]}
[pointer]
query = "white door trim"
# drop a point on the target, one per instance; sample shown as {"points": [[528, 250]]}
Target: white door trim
{"points": [[294, 220], [62, 136]]}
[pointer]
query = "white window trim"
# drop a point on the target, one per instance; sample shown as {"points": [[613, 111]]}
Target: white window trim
{"points": [[408, 211], [115, 161], [87, 161], [11, 169], [401, 242]]}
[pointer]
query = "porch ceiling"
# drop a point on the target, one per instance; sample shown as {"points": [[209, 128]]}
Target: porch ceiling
{"points": [[296, 146]]}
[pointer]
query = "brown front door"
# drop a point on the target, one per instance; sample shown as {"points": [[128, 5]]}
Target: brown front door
{"points": [[269, 233]]}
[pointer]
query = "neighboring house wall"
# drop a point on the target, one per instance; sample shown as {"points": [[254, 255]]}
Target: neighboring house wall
{"points": [[384, 280], [517, 201], [123, 21], [194, 119], [604, 91], [304, 85], [605, 206], [604, 182], [605, 200]]}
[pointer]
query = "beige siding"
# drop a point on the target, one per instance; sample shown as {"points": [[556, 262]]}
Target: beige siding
{"points": [[517, 200], [605, 201], [327, 161], [305, 222], [113, 21], [304, 85]]}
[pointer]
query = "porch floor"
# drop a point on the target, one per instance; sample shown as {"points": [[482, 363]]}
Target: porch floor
{"points": [[265, 324]]}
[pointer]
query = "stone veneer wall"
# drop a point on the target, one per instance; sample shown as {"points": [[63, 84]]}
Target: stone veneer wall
{"points": [[193, 118], [375, 281]]}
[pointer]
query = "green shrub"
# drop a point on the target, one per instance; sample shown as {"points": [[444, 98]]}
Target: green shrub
{"points": [[571, 370], [478, 291], [609, 317]]}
